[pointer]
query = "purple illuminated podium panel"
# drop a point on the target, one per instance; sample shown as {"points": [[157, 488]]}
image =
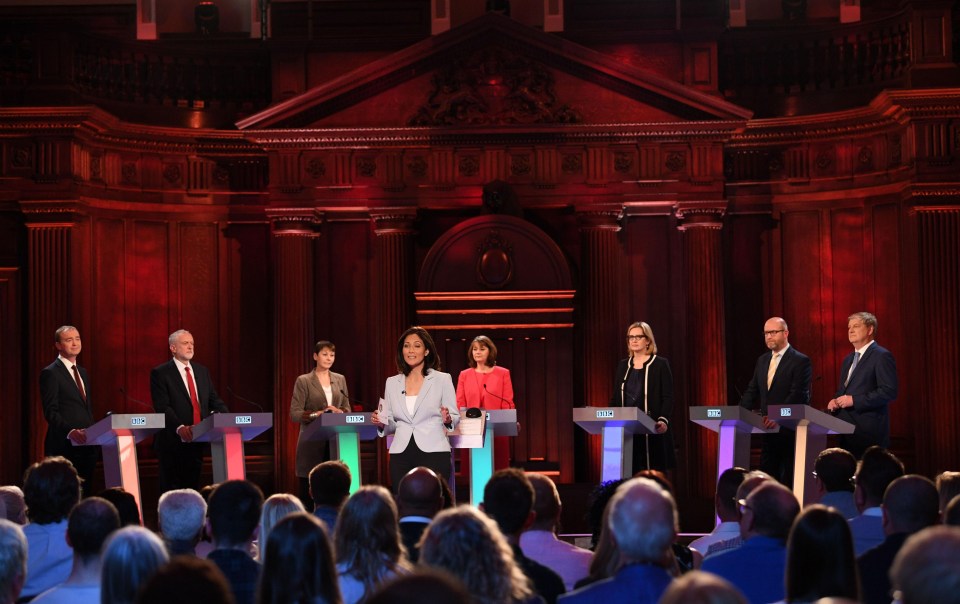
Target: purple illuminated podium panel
{"points": [[343, 431], [117, 436], [812, 427], [226, 432], [617, 425]]}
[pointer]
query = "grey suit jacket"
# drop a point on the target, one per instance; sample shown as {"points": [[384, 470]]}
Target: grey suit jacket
{"points": [[308, 395], [424, 425]]}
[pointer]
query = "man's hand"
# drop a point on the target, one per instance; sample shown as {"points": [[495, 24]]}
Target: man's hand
{"points": [[768, 423], [77, 436], [185, 433]]}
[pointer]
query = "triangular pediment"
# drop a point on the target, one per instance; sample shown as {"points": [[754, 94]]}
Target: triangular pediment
{"points": [[493, 72]]}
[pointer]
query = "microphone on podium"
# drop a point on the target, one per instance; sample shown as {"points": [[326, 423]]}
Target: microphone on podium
{"points": [[511, 403], [137, 401], [244, 400]]}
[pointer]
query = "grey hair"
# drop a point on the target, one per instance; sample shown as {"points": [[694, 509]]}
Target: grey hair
{"points": [[181, 513], [173, 337], [130, 557], [643, 520], [13, 555]]}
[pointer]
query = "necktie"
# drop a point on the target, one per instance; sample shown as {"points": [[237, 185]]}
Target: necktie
{"points": [[193, 396], [772, 369], [76, 377], [856, 359]]}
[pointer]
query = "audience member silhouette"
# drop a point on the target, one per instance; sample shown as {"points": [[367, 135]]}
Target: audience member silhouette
{"points": [[90, 523], [467, 544], [948, 486], [419, 499], [410, 589], [951, 516], [910, 504], [130, 557], [13, 561], [299, 564], [685, 559], [126, 505], [275, 508], [698, 587], [367, 543], [877, 469], [820, 560], [11, 501], [725, 504], [606, 556], [927, 568], [833, 477], [50, 489], [329, 488], [233, 514], [508, 499], [181, 514], [643, 521], [751, 481], [186, 580]]}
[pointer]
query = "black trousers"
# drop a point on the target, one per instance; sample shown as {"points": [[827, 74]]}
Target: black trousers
{"points": [[412, 457]]}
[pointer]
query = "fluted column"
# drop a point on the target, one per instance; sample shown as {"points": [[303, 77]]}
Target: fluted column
{"points": [[600, 293], [294, 231], [395, 280], [706, 379]]}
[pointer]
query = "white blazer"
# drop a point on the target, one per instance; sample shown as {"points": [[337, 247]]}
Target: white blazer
{"points": [[425, 425]]}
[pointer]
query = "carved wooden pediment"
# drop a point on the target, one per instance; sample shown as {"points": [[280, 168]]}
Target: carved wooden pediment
{"points": [[493, 72]]}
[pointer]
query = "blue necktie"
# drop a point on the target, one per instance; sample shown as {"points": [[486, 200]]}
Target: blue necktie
{"points": [[856, 359]]}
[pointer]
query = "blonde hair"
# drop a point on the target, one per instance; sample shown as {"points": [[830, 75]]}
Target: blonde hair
{"points": [[647, 331], [276, 508]]}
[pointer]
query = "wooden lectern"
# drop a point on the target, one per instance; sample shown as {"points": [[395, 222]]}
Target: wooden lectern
{"points": [[617, 425], [343, 432], [117, 435], [226, 432]]}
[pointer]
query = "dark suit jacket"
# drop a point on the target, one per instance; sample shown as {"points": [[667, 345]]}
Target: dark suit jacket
{"points": [[790, 385], [170, 397], [873, 386], [63, 407], [659, 402], [874, 565]]}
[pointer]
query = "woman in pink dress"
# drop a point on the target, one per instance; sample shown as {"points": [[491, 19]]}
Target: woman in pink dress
{"points": [[486, 385]]}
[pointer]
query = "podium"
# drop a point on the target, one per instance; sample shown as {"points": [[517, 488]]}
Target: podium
{"points": [[617, 425], [343, 432], [478, 436], [812, 427], [226, 432], [734, 424], [117, 436]]}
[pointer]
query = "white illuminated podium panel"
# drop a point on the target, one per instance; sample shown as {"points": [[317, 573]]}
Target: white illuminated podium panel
{"points": [[226, 433], [617, 426], [343, 432], [812, 427]]}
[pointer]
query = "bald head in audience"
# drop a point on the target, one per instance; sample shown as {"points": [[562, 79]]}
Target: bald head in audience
{"points": [[770, 510], [927, 568], [420, 493]]}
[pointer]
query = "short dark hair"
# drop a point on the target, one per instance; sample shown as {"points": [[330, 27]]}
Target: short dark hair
{"points": [[51, 488], [90, 523], [951, 515], [508, 499], [835, 467], [774, 509], [125, 503], [431, 361], [186, 579], [330, 483], [324, 344], [911, 503], [234, 511], [727, 485], [483, 341], [878, 468]]}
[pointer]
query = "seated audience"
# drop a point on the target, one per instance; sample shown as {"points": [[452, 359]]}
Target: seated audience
{"points": [[750, 482], [466, 543], [877, 469], [410, 588], [910, 505], [51, 488], [757, 567], [275, 508], [126, 505], [419, 499], [643, 521], [927, 568], [951, 516], [13, 561], [820, 562], [299, 563], [833, 478], [130, 557], [329, 488], [14, 508], [606, 557], [948, 486], [367, 543], [684, 558], [90, 523], [698, 587], [540, 543], [508, 499], [181, 514], [233, 514], [725, 504], [186, 580]]}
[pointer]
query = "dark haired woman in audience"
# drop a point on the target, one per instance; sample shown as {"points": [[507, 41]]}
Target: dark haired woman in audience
{"points": [[298, 566], [368, 544], [820, 560], [644, 380], [316, 392], [486, 385], [419, 408]]}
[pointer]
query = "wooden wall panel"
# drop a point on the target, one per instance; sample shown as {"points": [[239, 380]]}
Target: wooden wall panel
{"points": [[106, 340], [11, 377], [196, 303], [149, 295]]}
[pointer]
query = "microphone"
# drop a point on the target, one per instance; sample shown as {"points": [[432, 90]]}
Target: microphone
{"points": [[511, 403], [245, 400], [136, 400], [352, 400]]}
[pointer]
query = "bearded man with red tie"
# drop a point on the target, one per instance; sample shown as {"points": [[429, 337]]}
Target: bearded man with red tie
{"points": [[183, 391]]}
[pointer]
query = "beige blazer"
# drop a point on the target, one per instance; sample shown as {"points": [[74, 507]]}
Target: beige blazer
{"points": [[309, 396]]}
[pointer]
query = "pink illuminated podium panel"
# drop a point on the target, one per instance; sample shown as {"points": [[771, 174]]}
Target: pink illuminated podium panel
{"points": [[226, 433], [734, 425], [617, 425], [812, 427], [117, 436]]}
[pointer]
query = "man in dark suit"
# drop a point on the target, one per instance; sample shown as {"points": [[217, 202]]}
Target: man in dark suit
{"points": [[183, 391], [868, 384], [65, 394], [781, 377]]}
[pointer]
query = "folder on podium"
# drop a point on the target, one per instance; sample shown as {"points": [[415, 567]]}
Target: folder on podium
{"points": [[117, 436], [343, 431], [734, 425], [477, 434], [617, 425], [226, 433], [812, 427]]}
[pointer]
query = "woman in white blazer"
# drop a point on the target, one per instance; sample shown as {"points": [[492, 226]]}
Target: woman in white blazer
{"points": [[419, 408]]}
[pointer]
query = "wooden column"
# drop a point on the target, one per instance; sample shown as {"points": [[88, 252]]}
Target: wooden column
{"points": [[706, 379], [600, 295], [294, 231]]}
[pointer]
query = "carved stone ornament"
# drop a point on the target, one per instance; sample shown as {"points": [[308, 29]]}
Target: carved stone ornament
{"points": [[128, 172], [865, 156], [623, 162], [417, 167], [572, 163], [316, 168], [221, 175], [469, 165], [96, 167], [676, 161], [520, 165], [21, 157], [494, 261], [366, 167], [824, 161], [493, 86], [172, 173]]}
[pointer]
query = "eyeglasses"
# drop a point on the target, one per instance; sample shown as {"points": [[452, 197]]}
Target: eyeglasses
{"points": [[773, 332], [636, 338], [743, 506], [853, 481]]}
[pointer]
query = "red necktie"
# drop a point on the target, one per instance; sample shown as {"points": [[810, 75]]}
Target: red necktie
{"points": [[193, 396], [76, 376]]}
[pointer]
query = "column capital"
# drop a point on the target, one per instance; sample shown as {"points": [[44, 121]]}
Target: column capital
{"points": [[700, 214], [601, 217], [51, 212], [393, 220], [294, 222]]}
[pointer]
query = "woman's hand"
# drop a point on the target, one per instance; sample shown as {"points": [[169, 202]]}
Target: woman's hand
{"points": [[375, 419], [445, 415]]}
